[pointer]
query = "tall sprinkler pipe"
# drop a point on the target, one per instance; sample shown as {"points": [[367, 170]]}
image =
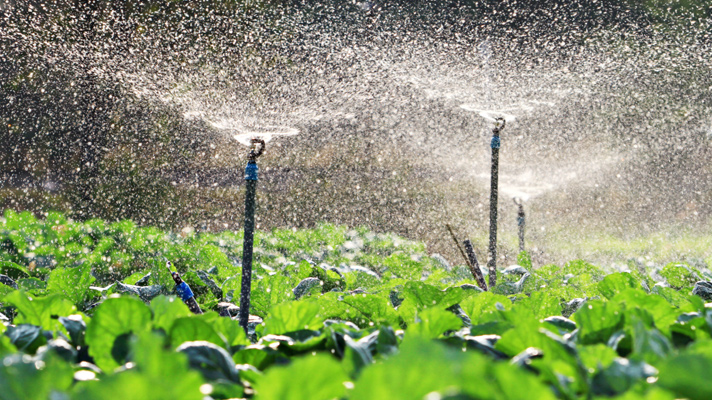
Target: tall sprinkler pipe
{"points": [[495, 143], [521, 222], [258, 146]]}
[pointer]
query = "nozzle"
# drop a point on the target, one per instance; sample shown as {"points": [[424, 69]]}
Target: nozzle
{"points": [[258, 147], [174, 275], [499, 124]]}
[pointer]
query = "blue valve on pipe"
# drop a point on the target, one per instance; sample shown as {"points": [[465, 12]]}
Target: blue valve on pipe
{"points": [[184, 291]]}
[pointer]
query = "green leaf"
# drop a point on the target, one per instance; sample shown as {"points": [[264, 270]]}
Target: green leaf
{"points": [[679, 275], [513, 383], [649, 344], [525, 260], [408, 375], [678, 299], [423, 366], [597, 321], [596, 356], [13, 270], [167, 309], [135, 385], [559, 356], [485, 307], [32, 285], [76, 327], [294, 316], [270, 291], [662, 313], [73, 283], [189, 329], [23, 378], [26, 338], [213, 362], [168, 370], [434, 322], [40, 311], [230, 330], [6, 346], [620, 376], [361, 309], [425, 296], [115, 317], [257, 355], [615, 283], [537, 306], [402, 265], [581, 267], [318, 377]]}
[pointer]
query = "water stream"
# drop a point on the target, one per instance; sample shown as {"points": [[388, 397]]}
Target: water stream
{"points": [[381, 114]]}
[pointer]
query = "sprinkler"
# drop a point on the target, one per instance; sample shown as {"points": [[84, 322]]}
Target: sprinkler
{"points": [[258, 146], [495, 143], [521, 222], [184, 291]]}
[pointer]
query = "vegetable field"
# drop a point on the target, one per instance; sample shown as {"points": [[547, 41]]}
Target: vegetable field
{"points": [[89, 312]]}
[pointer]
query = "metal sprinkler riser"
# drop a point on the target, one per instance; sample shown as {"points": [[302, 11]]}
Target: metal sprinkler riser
{"points": [[494, 144], [251, 178]]}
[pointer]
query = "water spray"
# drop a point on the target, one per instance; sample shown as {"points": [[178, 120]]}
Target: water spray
{"points": [[521, 222], [251, 170], [184, 291], [495, 143]]}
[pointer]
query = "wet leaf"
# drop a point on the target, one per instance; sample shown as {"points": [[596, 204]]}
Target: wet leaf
{"points": [[212, 361], [189, 329], [26, 338], [23, 378], [687, 376], [597, 321], [13, 270], [294, 316], [615, 283], [75, 326], [73, 283], [167, 309], [433, 322], [113, 318], [40, 311], [318, 377], [620, 376]]}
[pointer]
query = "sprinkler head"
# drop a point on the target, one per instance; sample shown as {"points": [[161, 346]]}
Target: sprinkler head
{"points": [[499, 124], [257, 148]]}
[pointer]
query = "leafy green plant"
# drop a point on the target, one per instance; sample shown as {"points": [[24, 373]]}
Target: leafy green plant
{"points": [[382, 318]]}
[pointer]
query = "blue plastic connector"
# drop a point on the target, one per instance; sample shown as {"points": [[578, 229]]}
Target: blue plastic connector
{"points": [[495, 142], [184, 291], [251, 171]]}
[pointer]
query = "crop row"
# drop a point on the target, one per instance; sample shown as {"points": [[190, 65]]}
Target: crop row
{"points": [[89, 311]]}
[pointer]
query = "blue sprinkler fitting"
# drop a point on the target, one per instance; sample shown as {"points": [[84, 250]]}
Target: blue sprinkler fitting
{"points": [[495, 142], [251, 171], [184, 291]]}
